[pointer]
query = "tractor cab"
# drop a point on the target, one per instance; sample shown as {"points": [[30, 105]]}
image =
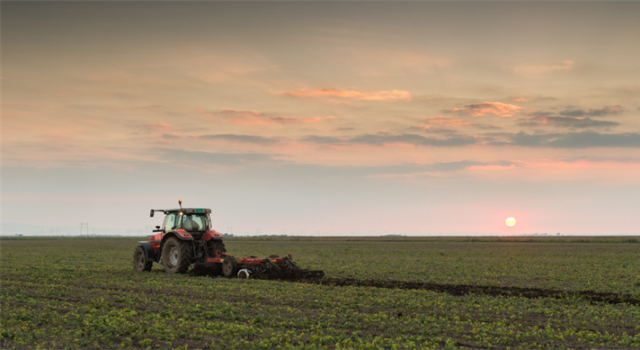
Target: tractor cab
{"points": [[192, 220]]}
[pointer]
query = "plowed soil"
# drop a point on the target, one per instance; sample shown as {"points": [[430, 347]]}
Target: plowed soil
{"points": [[460, 289], [463, 289]]}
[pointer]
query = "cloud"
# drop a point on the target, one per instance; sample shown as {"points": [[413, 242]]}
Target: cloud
{"points": [[575, 118], [390, 95], [447, 121], [240, 138], [441, 121], [565, 122], [322, 139], [534, 70], [207, 158], [607, 110], [159, 127], [382, 139], [453, 122], [519, 98], [300, 120], [171, 136], [594, 139], [489, 127], [251, 117], [585, 139], [412, 139], [433, 129], [484, 108], [413, 169], [241, 113]]}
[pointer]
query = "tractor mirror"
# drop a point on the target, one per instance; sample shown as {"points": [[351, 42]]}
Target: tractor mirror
{"points": [[152, 212]]}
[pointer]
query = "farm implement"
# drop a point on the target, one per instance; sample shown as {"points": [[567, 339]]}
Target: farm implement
{"points": [[186, 238]]}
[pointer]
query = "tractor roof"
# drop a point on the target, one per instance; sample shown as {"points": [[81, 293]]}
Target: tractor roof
{"points": [[189, 210], [183, 210]]}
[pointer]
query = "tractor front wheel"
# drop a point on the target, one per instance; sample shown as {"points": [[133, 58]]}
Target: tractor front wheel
{"points": [[230, 267], [140, 262], [176, 255]]}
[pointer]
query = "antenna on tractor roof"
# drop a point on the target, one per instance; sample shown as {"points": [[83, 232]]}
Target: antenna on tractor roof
{"points": [[180, 202]]}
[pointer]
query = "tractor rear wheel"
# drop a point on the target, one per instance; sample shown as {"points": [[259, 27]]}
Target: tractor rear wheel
{"points": [[214, 245], [176, 255], [140, 262], [230, 267]]}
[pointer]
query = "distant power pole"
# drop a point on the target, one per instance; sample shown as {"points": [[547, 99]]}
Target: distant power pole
{"points": [[82, 226]]}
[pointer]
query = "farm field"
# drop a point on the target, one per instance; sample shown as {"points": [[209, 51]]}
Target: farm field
{"points": [[83, 293]]}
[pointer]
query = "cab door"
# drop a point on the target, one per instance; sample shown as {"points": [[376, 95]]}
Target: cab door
{"points": [[169, 223]]}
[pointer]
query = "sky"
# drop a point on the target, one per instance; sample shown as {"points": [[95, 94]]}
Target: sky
{"points": [[324, 118]]}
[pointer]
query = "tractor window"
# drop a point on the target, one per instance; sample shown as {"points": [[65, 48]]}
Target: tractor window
{"points": [[194, 222], [169, 222]]}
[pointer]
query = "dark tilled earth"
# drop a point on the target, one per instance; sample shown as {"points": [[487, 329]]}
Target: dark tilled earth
{"points": [[457, 289], [463, 289]]}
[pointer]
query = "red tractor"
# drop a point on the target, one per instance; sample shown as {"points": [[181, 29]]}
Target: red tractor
{"points": [[186, 238]]}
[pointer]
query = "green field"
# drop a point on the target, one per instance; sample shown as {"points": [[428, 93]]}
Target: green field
{"points": [[84, 293]]}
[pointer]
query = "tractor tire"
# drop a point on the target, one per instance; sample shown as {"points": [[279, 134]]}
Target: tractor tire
{"points": [[140, 262], [230, 267], [214, 245], [176, 256]]}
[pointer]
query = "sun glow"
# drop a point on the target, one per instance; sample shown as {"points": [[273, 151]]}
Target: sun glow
{"points": [[510, 221]]}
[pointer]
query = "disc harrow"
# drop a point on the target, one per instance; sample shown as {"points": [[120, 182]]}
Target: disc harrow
{"points": [[271, 268]]}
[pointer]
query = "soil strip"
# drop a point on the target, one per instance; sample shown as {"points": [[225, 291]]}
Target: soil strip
{"points": [[458, 289], [465, 289]]}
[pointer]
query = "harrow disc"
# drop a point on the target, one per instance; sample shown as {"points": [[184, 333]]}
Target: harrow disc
{"points": [[287, 270]]}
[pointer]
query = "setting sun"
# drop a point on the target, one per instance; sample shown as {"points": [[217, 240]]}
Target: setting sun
{"points": [[510, 222]]}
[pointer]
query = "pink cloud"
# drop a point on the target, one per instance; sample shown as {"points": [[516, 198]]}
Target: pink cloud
{"points": [[241, 113], [252, 117], [484, 108], [159, 127], [391, 95], [434, 129], [533, 70], [494, 166], [452, 122], [447, 121], [518, 98], [300, 120], [246, 121]]}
